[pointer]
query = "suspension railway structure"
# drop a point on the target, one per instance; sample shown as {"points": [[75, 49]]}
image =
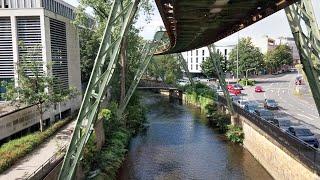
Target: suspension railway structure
{"points": [[189, 24]]}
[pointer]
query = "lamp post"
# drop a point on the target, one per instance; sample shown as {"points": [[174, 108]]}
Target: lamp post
{"points": [[238, 58]]}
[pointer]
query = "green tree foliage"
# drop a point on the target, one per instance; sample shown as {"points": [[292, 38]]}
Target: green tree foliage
{"points": [[35, 88], [207, 65], [166, 67], [249, 57], [276, 58]]}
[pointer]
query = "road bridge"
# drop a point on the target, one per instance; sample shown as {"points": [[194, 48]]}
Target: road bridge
{"points": [[189, 24]]}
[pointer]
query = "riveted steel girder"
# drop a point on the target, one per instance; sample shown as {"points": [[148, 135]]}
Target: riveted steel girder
{"points": [[99, 79], [221, 77], [306, 33], [148, 51]]}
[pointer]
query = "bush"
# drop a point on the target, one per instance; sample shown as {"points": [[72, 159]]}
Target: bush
{"points": [[245, 82], [11, 151], [235, 134], [223, 120]]}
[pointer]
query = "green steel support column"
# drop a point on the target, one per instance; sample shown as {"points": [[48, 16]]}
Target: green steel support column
{"points": [[100, 77], [148, 51], [221, 78], [184, 64], [306, 33]]}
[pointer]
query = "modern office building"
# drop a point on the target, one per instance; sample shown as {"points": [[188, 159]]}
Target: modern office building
{"points": [[195, 57], [43, 31]]}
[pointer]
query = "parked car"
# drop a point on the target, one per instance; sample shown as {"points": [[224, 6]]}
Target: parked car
{"points": [[264, 114], [196, 79], [270, 104], [238, 86], [258, 89], [183, 82], [235, 98], [304, 134], [251, 107], [242, 103], [298, 80], [283, 123], [230, 86], [212, 79]]}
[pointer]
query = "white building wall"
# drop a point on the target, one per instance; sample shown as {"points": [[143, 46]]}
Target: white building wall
{"points": [[195, 57], [73, 51]]}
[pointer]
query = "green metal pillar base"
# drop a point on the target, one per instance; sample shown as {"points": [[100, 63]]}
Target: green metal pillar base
{"points": [[306, 33], [100, 78]]}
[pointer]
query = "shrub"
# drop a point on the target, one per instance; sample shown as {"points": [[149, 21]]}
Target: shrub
{"points": [[13, 150], [223, 120], [245, 82], [235, 134]]}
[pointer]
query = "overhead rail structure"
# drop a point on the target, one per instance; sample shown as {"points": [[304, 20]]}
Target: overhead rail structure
{"points": [[190, 24], [198, 23]]}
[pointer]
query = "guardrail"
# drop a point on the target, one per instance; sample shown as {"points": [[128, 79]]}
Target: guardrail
{"points": [[49, 165], [300, 150]]}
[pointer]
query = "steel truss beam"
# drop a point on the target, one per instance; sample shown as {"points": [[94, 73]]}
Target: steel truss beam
{"points": [[306, 33], [148, 51], [184, 64], [221, 77], [100, 78]]}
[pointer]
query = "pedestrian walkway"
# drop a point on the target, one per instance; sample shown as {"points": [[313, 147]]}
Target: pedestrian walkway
{"points": [[27, 165]]}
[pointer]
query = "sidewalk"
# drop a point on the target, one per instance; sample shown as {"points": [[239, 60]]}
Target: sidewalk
{"points": [[27, 165]]}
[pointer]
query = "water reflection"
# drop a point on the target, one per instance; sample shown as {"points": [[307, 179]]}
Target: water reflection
{"points": [[178, 145]]}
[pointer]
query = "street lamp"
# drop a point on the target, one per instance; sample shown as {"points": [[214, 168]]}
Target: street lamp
{"points": [[238, 58]]}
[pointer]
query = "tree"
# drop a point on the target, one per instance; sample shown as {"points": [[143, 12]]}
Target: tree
{"points": [[34, 88], [165, 67], [249, 57], [207, 65], [278, 57]]}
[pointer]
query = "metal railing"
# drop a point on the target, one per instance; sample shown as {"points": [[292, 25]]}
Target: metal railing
{"points": [[49, 165], [299, 149]]}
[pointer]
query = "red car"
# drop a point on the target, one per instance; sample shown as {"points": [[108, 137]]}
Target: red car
{"points": [[230, 86], [234, 91], [258, 89]]}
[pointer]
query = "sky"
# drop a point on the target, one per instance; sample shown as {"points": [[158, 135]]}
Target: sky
{"points": [[273, 26]]}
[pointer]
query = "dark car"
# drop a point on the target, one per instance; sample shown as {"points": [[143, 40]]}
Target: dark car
{"points": [[264, 114], [304, 134], [238, 87], [283, 123], [270, 104], [251, 107], [235, 98]]}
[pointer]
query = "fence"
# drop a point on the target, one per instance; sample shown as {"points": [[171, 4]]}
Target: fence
{"points": [[300, 150], [48, 166]]}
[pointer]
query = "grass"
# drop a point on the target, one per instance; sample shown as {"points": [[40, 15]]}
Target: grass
{"points": [[12, 151]]}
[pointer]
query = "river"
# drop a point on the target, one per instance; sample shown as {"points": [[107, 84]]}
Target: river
{"points": [[179, 145]]}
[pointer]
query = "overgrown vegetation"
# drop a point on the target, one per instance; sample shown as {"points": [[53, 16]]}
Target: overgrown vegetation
{"points": [[217, 118], [247, 82], [199, 95], [118, 132], [235, 134], [13, 150]]}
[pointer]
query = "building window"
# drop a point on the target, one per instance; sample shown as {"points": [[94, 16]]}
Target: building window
{"points": [[191, 52], [191, 66], [191, 60], [202, 52], [6, 4], [196, 66], [196, 59], [218, 50], [202, 58], [197, 52], [225, 52]]}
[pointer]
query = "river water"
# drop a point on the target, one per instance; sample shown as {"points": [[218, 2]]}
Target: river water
{"points": [[179, 145]]}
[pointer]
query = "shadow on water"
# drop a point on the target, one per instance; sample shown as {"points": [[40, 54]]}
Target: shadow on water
{"points": [[179, 145]]}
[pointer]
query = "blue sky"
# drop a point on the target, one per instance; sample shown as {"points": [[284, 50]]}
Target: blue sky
{"points": [[275, 25]]}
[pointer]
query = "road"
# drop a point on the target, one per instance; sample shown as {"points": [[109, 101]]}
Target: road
{"points": [[301, 108]]}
